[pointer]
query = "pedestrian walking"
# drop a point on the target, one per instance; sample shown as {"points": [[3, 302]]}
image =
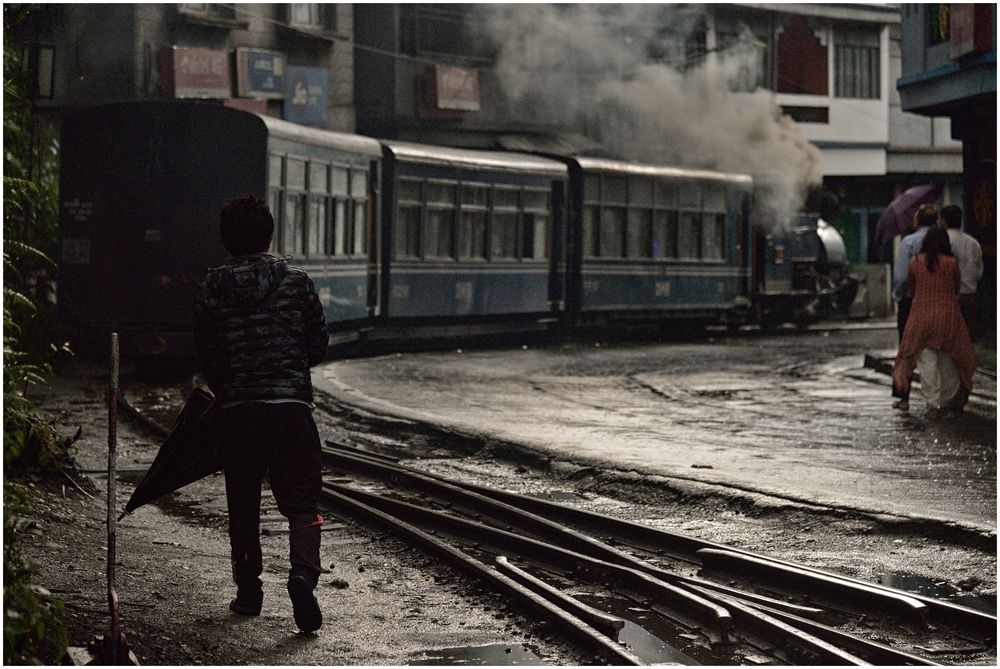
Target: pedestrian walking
{"points": [[909, 247], [969, 254], [935, 341], [259, 326]]}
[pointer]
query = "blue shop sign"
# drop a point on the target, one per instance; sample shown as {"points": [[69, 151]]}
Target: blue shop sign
{"points": [[306, 95], [259, 73]]}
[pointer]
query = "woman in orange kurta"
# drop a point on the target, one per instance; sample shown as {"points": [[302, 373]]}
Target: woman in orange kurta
{"points": [[936, 340]]}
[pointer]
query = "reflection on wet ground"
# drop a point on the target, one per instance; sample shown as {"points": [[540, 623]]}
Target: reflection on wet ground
{"points": [[498, 654], [922, 585]]}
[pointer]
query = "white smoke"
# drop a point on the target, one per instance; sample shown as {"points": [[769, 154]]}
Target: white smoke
{"points": [[589, 67]]}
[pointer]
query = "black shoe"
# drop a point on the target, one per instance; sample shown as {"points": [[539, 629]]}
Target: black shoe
{"points": [[248, 601], [304, 605]]}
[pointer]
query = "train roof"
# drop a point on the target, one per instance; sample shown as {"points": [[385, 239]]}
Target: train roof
{"points": [[340, 141], [493, 160], [604, 165]]}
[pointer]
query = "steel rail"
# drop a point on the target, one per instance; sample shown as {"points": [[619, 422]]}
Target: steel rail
{"points": [[608, 624], [707, 612], [592, 639], [573, 539], [755, 619], [676, 545], [826, 652], [877, 652]]}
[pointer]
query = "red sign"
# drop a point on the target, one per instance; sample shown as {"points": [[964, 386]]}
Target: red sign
{"points": [[970, 29], [258, 107], [447, 92], [197, 73]]}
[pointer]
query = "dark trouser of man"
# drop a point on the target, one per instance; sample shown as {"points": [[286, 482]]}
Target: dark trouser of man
{"points": [[281, 442], [902, 313], [969, 305]]}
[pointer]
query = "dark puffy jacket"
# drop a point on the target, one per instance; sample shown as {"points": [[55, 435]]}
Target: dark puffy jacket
{"points": [[258, 328]]}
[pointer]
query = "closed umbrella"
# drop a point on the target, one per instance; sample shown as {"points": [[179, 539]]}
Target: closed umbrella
{"points": [[897, 219], [188, 454]]}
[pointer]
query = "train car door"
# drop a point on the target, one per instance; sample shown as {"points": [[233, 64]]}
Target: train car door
{"points": [[373, 237]]}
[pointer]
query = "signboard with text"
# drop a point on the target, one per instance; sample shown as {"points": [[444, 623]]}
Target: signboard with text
{"points": [[447, 92], [306, 96], [196, 73], [260, 73]]}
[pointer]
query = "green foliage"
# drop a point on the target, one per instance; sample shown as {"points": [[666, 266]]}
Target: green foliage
{"points": [[33, 632], [32, 627]]}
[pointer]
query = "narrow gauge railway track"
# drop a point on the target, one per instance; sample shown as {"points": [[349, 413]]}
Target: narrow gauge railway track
{"points": [[567, 562]]}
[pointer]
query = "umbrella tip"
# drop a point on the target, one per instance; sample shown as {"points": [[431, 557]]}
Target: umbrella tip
{"points": [[124, 513]]}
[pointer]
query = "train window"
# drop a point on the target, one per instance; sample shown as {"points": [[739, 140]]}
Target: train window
{"points": [[359, 183], [407, 232], [358, 233], [295, 174], [714, 197], [504, 235], [665, 234], [473, 233], [712, 236], [477, 196], [318, 178], [689, 235], [316, 228], [504, 197], [590, 237], [409, 190], [615, 190], [291, 231], [690, 196], [338, 181], [534, 229], [640, 192], [592, 189], [537, 200], [639, 233], [440, 242], [666, 195], [612, 232], [274, 163], [339, 227], [441, 194]]}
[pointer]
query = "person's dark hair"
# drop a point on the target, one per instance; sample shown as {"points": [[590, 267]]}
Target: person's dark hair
{"points": [[952, 216], [246, 225], [926, 216], [936, 243]]}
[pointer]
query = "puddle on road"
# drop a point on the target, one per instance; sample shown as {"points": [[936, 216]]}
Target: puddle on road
{"points": [[498, 654], [650, 648], [939, 590]]}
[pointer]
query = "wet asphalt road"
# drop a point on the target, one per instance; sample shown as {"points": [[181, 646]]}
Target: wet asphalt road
{"points": [[796, 416]]}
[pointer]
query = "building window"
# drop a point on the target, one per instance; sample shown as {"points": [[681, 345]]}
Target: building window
{"points": [[306, 15], [857, 64], [443, 29], [802, 59], [938, 23], [208, 12]]}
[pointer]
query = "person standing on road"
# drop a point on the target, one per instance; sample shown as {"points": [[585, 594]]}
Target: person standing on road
{"points": [[969, 254], [925, 217], [259, 327], [935, 341]]}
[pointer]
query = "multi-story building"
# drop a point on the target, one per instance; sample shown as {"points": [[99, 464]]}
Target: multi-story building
{"points": [[441, 74], [949, 69], [294, 61]]}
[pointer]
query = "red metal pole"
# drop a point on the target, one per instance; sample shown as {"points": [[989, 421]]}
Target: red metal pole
{"points": [[112, 475]]}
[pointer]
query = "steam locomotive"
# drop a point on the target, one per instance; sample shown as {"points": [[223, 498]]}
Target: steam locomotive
{"points": [[402, 237]]}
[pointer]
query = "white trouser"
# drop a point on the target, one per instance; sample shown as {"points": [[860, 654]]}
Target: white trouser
{"points": [[939, 380]]}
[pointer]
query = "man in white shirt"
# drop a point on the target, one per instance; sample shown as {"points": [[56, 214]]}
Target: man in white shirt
{"points": [[909, 248], [969, 254]]}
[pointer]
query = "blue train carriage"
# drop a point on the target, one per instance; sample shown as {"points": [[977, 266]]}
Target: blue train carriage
{"points": [[800, 272], [471, 236], [651, 242], [323, 188], [141, 184]]}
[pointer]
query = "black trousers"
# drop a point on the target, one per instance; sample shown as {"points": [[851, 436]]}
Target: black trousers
{"points": [[902, 314], [279, 441]]}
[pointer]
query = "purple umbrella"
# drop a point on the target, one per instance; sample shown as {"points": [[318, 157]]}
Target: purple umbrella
{"points": [[897, 219]]}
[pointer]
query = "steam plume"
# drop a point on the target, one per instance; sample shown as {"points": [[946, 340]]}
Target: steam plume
{"points": [[589, 67]]}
